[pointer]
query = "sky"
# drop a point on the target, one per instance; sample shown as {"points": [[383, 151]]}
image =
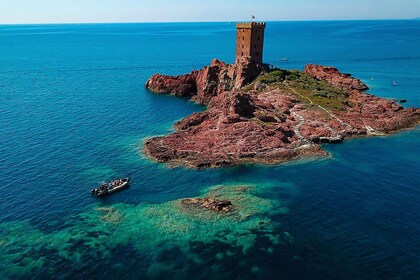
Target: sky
{"points": [[92, 11]]}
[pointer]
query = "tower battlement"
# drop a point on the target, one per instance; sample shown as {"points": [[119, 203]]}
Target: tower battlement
{"points": [[250, 24], [250, 41]]}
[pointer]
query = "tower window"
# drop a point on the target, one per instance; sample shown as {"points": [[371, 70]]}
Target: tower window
{"points": [[255, 46], [242, 45], [256, 54], [243, 38], [242, 53], [258, 38]]}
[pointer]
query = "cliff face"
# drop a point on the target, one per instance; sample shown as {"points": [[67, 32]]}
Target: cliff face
{"points": [[280, 116], [184, 85], [208, 82]]}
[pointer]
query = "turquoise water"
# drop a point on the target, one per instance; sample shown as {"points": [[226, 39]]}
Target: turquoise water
{"points": [[74, 111]]}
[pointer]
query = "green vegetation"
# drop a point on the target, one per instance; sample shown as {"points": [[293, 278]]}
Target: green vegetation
{"points": [[319, 92], [274, 76]]}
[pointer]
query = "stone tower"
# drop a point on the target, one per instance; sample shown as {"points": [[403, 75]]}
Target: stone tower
{"points": [[250, 41]]}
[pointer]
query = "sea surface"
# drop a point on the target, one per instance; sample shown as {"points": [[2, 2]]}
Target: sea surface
{"points": [[74, 112]]}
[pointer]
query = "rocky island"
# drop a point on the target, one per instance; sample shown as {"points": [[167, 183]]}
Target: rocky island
{"points": [[267, 115]]}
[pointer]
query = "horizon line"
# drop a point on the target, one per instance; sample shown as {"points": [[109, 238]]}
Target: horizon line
{"points": [[216, 21]]}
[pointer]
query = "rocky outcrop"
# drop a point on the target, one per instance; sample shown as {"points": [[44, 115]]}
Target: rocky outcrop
{"points": [[334, 77], [268, 123], [184, 85], [208, 82], [247, 71], [367, 113], [208, 203]]}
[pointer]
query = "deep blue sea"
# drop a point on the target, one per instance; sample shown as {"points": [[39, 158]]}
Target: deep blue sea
{"points": [[74, 111]]}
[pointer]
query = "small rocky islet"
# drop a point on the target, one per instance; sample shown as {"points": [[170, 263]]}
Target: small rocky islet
{"points": [[259, 115]]}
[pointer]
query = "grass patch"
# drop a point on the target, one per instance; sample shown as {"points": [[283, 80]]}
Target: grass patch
{"points": [[320, 92]]}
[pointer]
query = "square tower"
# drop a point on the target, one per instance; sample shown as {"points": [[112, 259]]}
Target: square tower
{"points": [[250, 41]]}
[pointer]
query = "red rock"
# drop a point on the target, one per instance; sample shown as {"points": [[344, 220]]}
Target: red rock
{"points": [[334, 77], [247, 71], [260, 125], [183, 85]]}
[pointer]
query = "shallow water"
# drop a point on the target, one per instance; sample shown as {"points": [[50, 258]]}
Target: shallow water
{"points": [[74, 111]]}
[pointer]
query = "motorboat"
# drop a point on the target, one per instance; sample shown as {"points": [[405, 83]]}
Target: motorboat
{"points": [[111, 187]]}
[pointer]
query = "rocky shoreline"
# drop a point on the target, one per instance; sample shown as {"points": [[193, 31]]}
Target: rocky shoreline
{"points": [[257, 115]]}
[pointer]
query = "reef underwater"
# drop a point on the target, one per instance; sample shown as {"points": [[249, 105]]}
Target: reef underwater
{"points": [[158, 232]]}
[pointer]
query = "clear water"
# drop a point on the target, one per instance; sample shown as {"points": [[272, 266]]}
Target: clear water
{"points": [[74, 111]]}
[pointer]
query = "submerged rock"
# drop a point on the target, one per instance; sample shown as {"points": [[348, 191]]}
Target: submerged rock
{"points": [[109, 214], [209, 203]]}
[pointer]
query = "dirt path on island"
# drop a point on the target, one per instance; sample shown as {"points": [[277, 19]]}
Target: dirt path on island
{"points": [[297, 127], [302, 120]]}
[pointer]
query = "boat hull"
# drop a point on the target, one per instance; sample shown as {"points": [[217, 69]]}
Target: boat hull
{"points": [[98, 192]]}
